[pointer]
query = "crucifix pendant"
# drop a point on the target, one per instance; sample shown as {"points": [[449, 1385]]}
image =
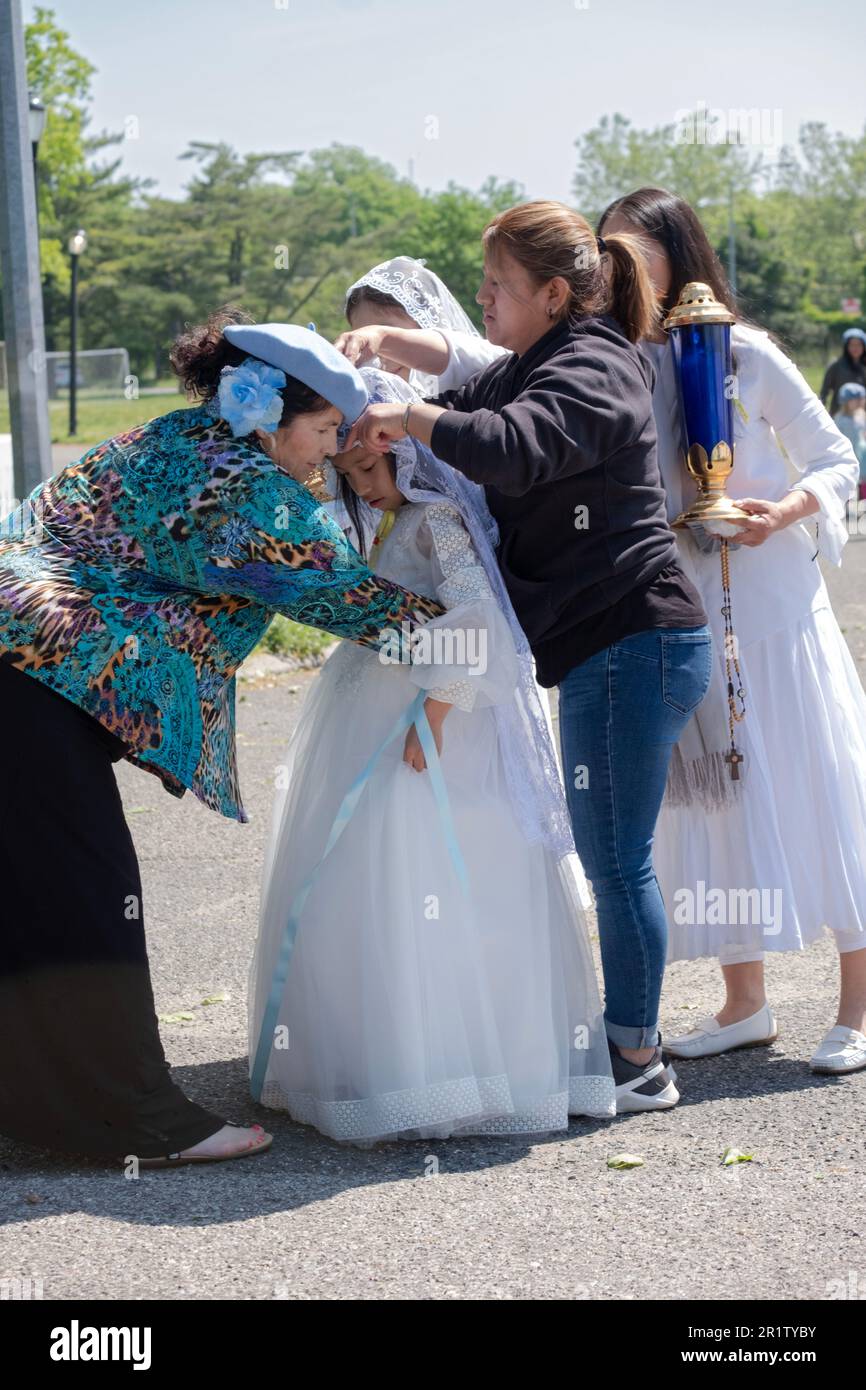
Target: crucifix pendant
{"points": [[733, 759]]}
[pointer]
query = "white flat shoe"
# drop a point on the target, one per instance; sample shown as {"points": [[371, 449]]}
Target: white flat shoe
{"points": [[843, 1049], [708, 1038]]}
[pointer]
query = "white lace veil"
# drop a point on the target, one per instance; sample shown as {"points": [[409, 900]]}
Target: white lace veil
{"points": [[530, 760], [419, 291], [425, 298]]}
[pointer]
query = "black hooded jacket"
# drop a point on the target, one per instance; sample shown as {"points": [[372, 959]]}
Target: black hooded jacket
{"points": [[564, 441]]}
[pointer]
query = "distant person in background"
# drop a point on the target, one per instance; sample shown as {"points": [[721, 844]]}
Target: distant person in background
{"points": [[851, 420], [849, 366]]}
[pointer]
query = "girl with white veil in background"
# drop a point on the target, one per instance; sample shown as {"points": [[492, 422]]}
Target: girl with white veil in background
{"points": [[422, 967], [403, 314], [404, 319]]}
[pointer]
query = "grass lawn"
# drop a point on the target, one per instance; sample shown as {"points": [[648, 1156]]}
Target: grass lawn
{"points": [[99, 417], [814, 376], [286, 638]]}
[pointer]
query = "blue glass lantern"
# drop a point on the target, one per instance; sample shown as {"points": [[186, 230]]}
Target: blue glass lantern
{"points": [[700, 329]]}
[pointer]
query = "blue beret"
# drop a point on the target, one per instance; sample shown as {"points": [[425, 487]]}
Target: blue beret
{"points": [[308, 358]]}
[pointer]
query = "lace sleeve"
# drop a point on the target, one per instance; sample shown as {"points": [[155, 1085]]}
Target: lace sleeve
{"points": [[459, 576], [479, 638]]}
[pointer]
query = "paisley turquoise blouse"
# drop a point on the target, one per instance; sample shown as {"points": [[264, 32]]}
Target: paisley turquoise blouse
{"points": [[136, 581]]}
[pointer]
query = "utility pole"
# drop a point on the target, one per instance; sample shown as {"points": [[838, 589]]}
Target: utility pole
{"points": [[19, 261]]}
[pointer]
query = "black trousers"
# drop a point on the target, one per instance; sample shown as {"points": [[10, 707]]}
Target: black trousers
{"points": [[82, 1068]]}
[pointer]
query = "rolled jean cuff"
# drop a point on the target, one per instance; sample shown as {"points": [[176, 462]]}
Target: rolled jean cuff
{"points": [[624, 1036]]}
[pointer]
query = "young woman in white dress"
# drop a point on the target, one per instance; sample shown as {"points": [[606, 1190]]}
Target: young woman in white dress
{"points": [[422, 967], [786, 845]]}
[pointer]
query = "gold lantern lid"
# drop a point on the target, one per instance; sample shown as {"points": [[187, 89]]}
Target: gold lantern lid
{"points": [[697, 304]]}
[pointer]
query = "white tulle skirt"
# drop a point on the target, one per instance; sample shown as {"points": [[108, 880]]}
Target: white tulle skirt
{"points": [[412, 1009], [798, 837]]}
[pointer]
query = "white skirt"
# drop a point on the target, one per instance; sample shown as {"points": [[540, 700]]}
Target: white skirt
{"points": [[410, 1009], [789, 863]]}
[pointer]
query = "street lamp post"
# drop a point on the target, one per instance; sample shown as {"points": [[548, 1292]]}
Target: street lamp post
{"points": [[38, 117], [77, 246]]}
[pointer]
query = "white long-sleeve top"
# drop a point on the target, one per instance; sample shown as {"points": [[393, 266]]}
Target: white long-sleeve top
{"points": [[775, 583], [468, 353], [476, 661]]}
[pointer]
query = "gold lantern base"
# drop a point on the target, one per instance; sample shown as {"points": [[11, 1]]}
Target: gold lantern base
{"points": [[711, 475], [711, 509]]}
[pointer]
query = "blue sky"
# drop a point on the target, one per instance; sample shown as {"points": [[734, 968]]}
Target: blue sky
{"points": [[505, 86]]}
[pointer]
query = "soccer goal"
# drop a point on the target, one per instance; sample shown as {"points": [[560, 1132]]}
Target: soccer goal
{"points": [[98, 372]]}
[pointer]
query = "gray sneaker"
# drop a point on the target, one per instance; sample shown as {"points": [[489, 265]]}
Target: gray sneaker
{"points": [[647, 1087]]}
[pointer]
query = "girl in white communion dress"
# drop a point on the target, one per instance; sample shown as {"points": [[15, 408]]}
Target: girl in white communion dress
{"points": [[422, 967]]}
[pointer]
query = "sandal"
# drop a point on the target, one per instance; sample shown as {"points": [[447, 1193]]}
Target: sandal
{"points": [[179, 1160]]}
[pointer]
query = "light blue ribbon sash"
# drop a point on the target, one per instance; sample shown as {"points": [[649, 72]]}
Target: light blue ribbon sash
{"points": [[416, 715]]}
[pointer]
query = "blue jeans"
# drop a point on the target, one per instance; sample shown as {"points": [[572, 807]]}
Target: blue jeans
{"points": [[620, 714]]}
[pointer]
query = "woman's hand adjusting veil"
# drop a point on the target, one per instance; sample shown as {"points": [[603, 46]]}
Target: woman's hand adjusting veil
{"points": [[382, 422], [377, 427], [360, 345], [424, 349]]}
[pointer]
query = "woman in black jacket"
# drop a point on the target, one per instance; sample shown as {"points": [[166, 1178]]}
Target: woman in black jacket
{"points": [[561, 434]]}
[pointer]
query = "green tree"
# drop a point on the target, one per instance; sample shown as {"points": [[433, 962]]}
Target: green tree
{"points": [[614, 158], [800, 224], [447, 235], [771, 287], [74, 187]]}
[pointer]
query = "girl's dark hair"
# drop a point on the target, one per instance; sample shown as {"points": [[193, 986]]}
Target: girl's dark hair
{"points": [[551, 240], [675, 225], [199, 354], [367, 294]]}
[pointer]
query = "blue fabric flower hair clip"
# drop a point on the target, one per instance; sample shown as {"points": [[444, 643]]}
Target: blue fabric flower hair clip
{"points": [[249, 396]]}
